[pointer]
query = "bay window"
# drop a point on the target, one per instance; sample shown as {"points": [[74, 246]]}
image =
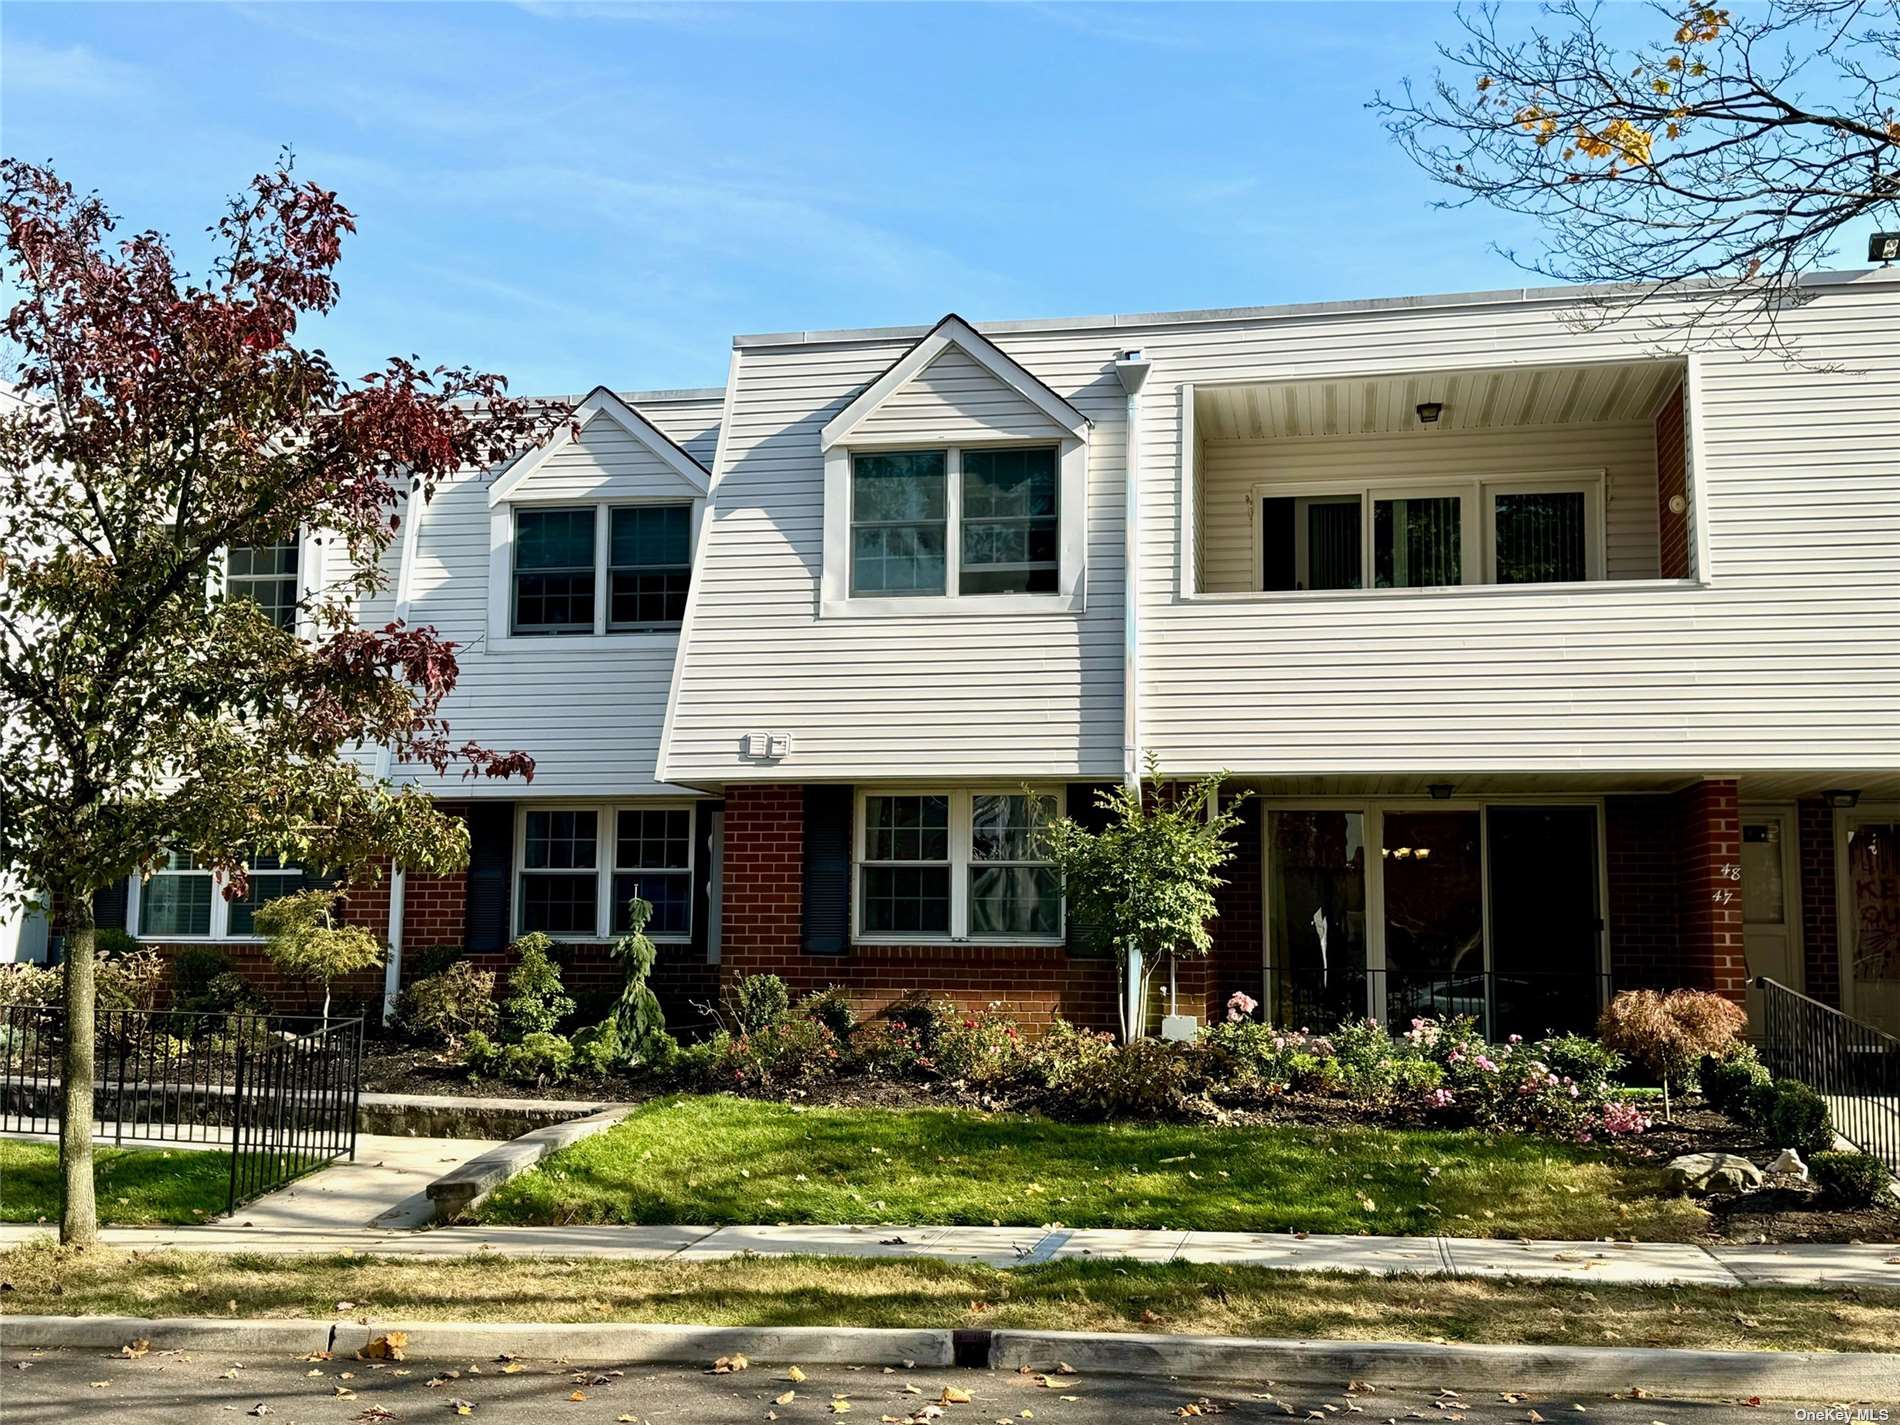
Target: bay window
{"points": [[956, 865], [578, 867], [1356, 534]]}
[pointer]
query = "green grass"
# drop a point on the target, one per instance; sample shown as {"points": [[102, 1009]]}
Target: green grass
{"points": [[136, 1187], [1068, 1296], [718, 1160]]}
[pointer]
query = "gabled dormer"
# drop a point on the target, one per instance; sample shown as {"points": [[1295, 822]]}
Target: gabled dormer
{"points": [[592, 535], [955, 482]]}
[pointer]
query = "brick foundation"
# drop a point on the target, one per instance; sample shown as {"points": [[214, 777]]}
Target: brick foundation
{"points": [[1675, 911]]}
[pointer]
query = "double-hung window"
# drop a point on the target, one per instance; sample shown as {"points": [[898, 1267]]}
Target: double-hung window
{"points": [[899, 514], [580, 866], [621, 568], [653, 859], [554, 571], [649, 565], [1390, 535], [266, 574], [972, 520], [182, 899], [956, 865]]}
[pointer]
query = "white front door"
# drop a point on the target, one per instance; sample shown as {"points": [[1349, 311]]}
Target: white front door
{"points": [[1771, 937], [1869, 855]]}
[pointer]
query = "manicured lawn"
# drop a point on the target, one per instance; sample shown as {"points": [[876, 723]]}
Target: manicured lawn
{"points": [[716, 1160], [136, 1187], [819, 1291]]}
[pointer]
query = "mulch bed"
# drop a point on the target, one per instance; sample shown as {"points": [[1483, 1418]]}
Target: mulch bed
{"points": [[1781, 1210]]}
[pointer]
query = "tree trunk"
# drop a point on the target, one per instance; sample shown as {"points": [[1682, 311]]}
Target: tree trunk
{"points": [[78, 1214]]}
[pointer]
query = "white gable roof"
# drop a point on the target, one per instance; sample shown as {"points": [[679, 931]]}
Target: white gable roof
{"points": [[977, 349], [603, 405]]}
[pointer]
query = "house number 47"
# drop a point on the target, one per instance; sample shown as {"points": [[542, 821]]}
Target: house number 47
{"points": [[1723, 895]]}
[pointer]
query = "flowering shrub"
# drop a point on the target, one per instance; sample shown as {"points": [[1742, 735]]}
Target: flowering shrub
{"points": [[1145, 1079], [983, 1049], [31, 986], [790, 1054], [1240, 1006]]}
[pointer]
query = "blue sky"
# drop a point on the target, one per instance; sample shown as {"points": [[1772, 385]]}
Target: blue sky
{"points": [[577, 194]]}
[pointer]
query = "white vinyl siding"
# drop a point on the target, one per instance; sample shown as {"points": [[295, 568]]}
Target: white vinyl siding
{"points": [[1781, 654], [954, 398]]}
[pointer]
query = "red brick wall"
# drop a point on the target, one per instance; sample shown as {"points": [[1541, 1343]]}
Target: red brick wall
{"points": [[1240, 929], [1820, 926], [1671, 481], [762, 933], [1710, 916], [1640, 836]]}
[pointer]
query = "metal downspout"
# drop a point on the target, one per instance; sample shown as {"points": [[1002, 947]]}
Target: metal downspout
{"points": [[1132, 368], [413, 510]]}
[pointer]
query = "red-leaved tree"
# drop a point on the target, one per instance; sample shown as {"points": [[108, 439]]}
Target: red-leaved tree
{"points": [[161, 422]]}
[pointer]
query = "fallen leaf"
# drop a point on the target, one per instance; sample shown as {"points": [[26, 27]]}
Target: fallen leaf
{"points": [[577, 1396], [787, 1398], [260, 1409], [385, 1348], [726, 1365], [794, 1374], [132, 1350], [953, 1396], [230, 1374], [100, 1384], [370, 1414], [461, 1406], [513, 1368], [343, 1392]]}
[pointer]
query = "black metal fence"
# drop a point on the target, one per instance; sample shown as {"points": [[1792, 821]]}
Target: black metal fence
{"points": [[1854, 1066], [277, 1092], [1531, 1003]]}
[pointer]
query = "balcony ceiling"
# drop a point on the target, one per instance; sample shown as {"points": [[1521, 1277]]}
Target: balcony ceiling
{"points": [[1473, 401]]}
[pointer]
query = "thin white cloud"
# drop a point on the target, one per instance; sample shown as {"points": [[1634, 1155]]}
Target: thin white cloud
{"points": [[77, 71]]}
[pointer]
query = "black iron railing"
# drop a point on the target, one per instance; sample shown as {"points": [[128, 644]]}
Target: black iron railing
{"points": [[1854, 1066], [279, 1092], [1532, 1004]]}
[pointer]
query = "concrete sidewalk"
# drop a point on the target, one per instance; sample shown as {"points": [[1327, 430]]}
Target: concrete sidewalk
{"points": [[1634, 1263]]}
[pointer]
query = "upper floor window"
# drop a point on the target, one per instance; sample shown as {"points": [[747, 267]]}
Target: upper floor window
{"points": [[267, 575], [580, 866], [593, 568], [1339, 535], [956, 865], [1003, 505]]}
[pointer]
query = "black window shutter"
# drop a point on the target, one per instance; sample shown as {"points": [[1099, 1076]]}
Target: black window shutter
{"points": [[703, 813], [491, 863], [827, 900], [109, 905], [1086, 939]]}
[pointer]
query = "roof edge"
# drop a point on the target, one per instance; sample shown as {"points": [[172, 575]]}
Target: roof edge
{"points": [[1504, 296]]}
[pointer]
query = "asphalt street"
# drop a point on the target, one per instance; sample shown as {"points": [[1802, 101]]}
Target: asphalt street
{"points": [[177, 1388]]}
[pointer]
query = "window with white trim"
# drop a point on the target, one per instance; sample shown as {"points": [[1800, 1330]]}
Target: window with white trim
{"points": [[1003, 504], [956, 865], [183, 900], [577, 867], [594, 568], [1334, 535], [266, 574]]}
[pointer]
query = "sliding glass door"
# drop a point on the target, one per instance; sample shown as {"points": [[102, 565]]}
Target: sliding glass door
{"points": [[1430, 910]]}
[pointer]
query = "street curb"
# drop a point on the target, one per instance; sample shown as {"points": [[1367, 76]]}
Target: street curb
{"points": [[1818, 1375], [464, 1188], [454, 1340]]}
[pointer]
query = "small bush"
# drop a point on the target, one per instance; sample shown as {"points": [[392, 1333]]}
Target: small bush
{"points": [[1730, 1084], [130, 979], [597, 1048], [831, 1007], [110, 940], [1366, 1056], [888, 1048], [1145, 1079], [193, 970], [1792, 1115], [539, 1058], [536, 1001], [1590, 1065], [431, 959], [451, 1005], [926, 1014], [29, 986], [1668, 1033], [792, 1054], [983, 1050], [1065, 1053], [1851, 1179], [759, 1003]]}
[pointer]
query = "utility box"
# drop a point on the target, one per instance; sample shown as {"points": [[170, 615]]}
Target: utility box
{"points": [[1179, 1027]]}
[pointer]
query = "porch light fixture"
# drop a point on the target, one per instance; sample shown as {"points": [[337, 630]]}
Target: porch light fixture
{"points": [[1842, 798], [1441, 791], [1429, 412]]}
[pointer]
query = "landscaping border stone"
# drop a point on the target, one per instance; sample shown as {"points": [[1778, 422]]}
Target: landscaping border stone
{"points": [[1796, 1375], [464, 1188], [456, 1116]]}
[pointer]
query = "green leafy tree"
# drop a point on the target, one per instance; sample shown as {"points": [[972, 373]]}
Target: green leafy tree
{"points": [[1145, 883], [303, 939], [159, 421], [639, 1022]]}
